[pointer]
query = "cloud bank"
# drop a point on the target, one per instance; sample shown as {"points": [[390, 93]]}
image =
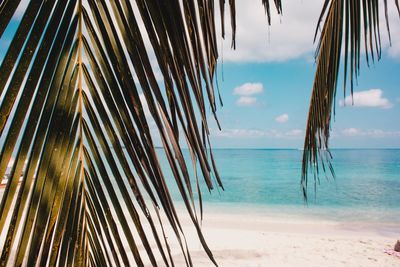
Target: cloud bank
{"points": [[251, 133], [375, 133]]}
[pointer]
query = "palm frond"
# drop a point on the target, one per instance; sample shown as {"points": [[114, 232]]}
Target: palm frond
{"points": [[348, 20], [85, 174]]}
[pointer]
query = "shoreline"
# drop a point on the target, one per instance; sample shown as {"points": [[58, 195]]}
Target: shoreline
{"points": [[254, 235], [339, 214], [252, 239]]}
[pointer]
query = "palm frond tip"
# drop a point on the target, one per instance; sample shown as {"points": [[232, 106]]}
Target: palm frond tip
{"points": [[345, 23]]}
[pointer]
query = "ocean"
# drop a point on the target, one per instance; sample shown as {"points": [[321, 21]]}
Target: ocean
{"points": [[366, 186], [267, 181]]}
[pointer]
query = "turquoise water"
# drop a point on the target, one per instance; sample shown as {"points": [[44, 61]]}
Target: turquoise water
{"points": [[367, 184], [366, 188]]}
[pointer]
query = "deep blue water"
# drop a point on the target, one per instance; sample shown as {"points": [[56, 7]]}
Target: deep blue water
{"points": [[367, 182]]}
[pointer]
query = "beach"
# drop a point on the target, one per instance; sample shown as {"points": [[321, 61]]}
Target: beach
{"points": [[252, 239], [261, 218]]}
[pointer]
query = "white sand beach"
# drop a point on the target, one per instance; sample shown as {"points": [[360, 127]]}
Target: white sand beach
{"points": [[261, 240], [256, 238]]}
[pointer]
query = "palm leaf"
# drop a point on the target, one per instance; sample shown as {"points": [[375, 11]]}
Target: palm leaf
{"points": [[348, 20], [86, 177]]}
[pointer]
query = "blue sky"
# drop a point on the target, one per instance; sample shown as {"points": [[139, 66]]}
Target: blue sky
{"points": [[279, 60], [267, 84], [278, 116]]}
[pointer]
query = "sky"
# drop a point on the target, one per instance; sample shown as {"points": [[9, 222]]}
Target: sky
{"points": [[266, 83]]}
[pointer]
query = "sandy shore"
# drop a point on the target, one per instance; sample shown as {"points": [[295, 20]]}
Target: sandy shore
{"points": [[258, 240], [264, 238]]}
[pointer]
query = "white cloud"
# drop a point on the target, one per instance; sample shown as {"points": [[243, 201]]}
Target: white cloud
{"points": [[282, 118], [249, 89], [246, 101], [250, 133], [375, 133], [239, 133], [246, 92], [290, 36], [368, 98], [393, 50]]}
